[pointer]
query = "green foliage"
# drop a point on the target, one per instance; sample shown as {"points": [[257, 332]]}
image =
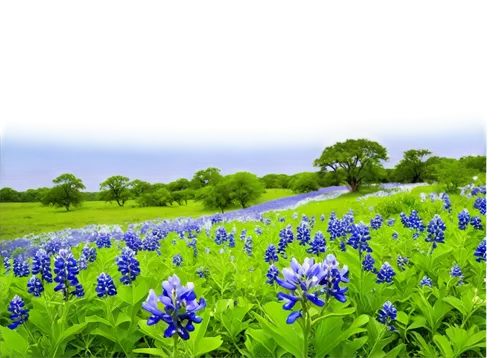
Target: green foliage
{"points": [[305, 182], [453, 175], [65, 193], [207, 177], [414, 167], [116, 188], [139, 187], [216, 196], [356, 157], [478, 162], [279, 181], [244, 187]]}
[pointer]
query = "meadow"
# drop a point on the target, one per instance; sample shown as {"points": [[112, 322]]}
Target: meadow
{"points": [[19, 219], [370, 274]]}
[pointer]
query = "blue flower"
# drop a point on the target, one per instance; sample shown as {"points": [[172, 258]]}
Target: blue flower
{"points": [[295, 216], [6, 264], [368, 263], [151, 243], [21, 267], [313, 222], [390, 222], [90, 253], [104, 240], [270, 254], [105, 285], [19, 314], [376, 222], [243, 234], [318, 244], [360, 234], [435, 231], [220, 235], [303, 233], [395, 235], [180, 307], [281, 219], [334, 276], [322, 217], [446, 202], [480, 252], [35, 286], [201, 273], [386, 273], [230, 239], [480, 204], [402, 261], [41, 264], [132, 240], [272, 273], [65, 269], [426, 281], [258, 230], [463, 219], [248, 246], [177, 260], [307, 277], [128, 266], [457, 272], [192, 244], [475, 221], [342, 246], [387, 315], [82, 263], [267, 221]]}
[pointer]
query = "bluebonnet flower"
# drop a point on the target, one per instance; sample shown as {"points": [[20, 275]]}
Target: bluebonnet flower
{"points": [[248, 246], [272, 273], [41, 264], [318, 244], [6, 264], [426, 281], [267, 221], [475, 222], [19, 314], [306, 276], [104, 240], [21, 267], [313, 222], [336, 228], [395, 235], [402, 261], [303, 233], [342, 245], [192, 244], [480, 252], [128, 266], [65, 269], [305, 218], [415, 222], [180, 307], [463, 219], [177, 260], [435, 231], [287, 234], [220, 235], [368, 263], [270, 254], [230, 240], [258, 230], [90, 253], [132, 240], [457, 272], [446, 202], [82, 263], [53, 246], [482, 188], [151, 243], [217, 218], [376, 222], [433, 197], [386, 273], [105, 285], [281, 219], [415, 235], [35, 286], [404, 220], [360, 234], [475, 191], [202, 273], [322, 217], [391, 222], [333, 277], [387, 315], [480, 204], [243, 234]]}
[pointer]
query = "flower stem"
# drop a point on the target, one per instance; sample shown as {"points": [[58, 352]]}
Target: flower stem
{"points": [[176, 337]]}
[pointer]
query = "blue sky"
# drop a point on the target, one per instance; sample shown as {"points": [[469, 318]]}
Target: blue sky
{"points": [[32, 154]]}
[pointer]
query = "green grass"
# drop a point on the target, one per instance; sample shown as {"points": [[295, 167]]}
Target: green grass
{"points": [[19, 219]]}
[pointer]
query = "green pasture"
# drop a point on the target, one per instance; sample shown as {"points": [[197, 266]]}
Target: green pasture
{"points": [[19, 219]]}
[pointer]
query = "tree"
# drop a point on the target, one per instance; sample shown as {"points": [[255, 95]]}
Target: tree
{"points": [[477, 162], [139, 187], [203, 178], [116, 188], [9, 195], [305, 183], [276, 181], [178, 185], [355, 157], [216, 196], [414, 167], [454, 174], [65, 193], [245, 187]]}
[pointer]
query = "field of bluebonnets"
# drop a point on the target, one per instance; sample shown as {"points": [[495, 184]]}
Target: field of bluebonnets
{"points": [[396, 273]]}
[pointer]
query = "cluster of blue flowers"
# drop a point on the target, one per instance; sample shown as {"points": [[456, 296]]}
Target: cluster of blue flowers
{"points": [[18, 313], [128, 266], [480, 252], [426, 281], [303, 233], [480, 204], [435, 231], [360, 234], [105, 285], [21, 266], [248, 246], [103, 240], [318, 244], [376, 222], [368, 263], [220, 235], [387, 315], [402, 261], [177, 260], [41, 264], [463, 219], [386, 273], [65, 270], [457, 272]]}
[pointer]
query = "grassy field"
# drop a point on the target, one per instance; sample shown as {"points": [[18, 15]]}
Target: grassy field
{"points": [[19, 219]]}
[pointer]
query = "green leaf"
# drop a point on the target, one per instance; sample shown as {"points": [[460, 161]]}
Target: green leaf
{"points": [[280, 331], [444, 345], [396, 351], [97, 319], [71, 331], [155, 352], [264, 339], [105, 332], [455, 302], [14, 342], [207, 344]]}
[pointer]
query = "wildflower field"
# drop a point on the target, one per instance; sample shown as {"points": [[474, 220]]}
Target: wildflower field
{"points": [[396, 273]]}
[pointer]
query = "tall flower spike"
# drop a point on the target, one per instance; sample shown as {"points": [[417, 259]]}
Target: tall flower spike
{"points": [[41, 264], [180, 308], [426, 281], [248, 246], [103, 240], [177, 260], [105, 285], [376, 222], [19, 314], [270, 254], [463, 219], [476, 223], [6, 264], [90, 253], [318, 244], [333, 277], [272, 273], [368, 263], [35, 286], [387, 315], [480, 252], [435, 231], [457, 272], [65, 269], [303, 233], [128, 266], [386, 273]]}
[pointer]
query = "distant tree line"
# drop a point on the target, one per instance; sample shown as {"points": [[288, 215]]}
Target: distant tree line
{"points": [[353, 162]]}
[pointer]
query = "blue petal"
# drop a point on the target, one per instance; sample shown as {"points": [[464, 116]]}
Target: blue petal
{"points": [[293, 317]]}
